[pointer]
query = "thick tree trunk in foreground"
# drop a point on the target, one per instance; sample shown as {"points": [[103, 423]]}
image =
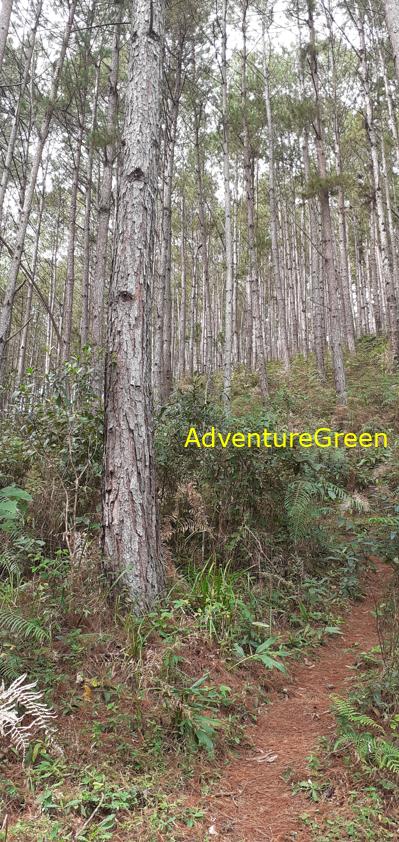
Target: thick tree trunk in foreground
{"points": [[131, 539]]}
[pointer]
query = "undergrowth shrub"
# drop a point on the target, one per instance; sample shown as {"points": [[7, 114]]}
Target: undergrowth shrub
{"points": [[239, 505], [57, 455]]}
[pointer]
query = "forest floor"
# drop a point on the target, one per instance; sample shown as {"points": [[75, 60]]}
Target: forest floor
{"points": [[255, 800], [214, 715]]}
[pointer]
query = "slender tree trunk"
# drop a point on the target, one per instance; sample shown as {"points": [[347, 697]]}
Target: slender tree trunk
{"points": [[316, 279], [373, 274], [228, 310], [342, 232], [326, 223], [250, 197], [5, 14], [273, 213], [8, 301], [183, 298], [51, 299], [163, 361], [204, 245], [70, 261], [392, 17], [378, 197], [16, 118], [131, 539], [103, 214], [86, 286], [29, 297]]}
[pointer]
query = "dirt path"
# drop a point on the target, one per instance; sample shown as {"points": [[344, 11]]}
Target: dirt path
{"points": [[253, 803]]}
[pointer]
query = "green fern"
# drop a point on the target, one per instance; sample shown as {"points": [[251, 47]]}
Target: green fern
{"points": [[346, 712], [12, 622], [11, 666], [375, 750], [301, 497], [387, 756], [9, 566], [299, 505]]}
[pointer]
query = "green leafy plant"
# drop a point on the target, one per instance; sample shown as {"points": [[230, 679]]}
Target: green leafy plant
{"points": [[268, 653], [194, 710], [356, 731]]}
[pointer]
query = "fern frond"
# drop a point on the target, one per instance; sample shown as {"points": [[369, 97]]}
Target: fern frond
{"points": [[22, 713], [387, 756], [298, 502], [10, 666], [368, 747], [9, 566], [14, 623], [348, 713]]}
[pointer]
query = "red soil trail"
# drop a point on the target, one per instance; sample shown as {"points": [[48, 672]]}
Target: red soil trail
{"points": [[253, 802]]}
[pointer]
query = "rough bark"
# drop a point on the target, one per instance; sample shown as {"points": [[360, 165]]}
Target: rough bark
{"points": [[131, 539]]}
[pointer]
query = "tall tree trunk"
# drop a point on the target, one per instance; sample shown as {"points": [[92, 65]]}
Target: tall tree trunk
{"points": [[29, 297], [228, 309], [183, 298], [316, 280], [16, 118], [204, 243], [326, 223], [163, 360], [131, 539], [378, 196], [282, 316], [250, 197], [103, 215], [8, 301], [51, 298], [67, 314], [86, 286], [392, 17], [343, 239], [5, 14]]}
